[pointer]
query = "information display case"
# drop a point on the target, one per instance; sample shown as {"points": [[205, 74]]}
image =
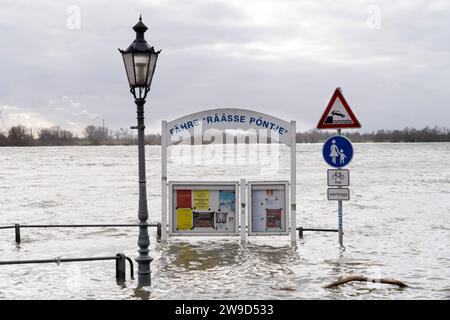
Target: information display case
{"points": [[203, 208], [268, 205]]}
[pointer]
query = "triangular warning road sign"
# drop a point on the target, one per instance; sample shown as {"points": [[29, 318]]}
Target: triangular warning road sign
{"points": [[338, 114]]}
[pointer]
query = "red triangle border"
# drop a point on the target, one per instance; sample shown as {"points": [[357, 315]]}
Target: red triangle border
{"points": [[338, 94]]}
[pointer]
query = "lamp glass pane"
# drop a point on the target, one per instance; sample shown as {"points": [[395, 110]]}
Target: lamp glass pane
{"points": [[129, 67], [141, 63], [153, 58]]}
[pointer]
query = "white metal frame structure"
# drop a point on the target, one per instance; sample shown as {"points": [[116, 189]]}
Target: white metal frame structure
{"points": [[222, 119]]}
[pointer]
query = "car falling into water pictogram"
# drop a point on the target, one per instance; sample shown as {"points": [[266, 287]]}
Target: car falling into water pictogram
{"points": [[337, 113]]}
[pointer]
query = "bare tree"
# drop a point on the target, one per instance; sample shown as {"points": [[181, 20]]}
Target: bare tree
{"points": [[20, 136], [96, 135], [3, 140], [55, 136]]}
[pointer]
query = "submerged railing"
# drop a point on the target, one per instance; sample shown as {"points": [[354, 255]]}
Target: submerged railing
{"points": [[17, 227], [301, 230], [120, 259]]}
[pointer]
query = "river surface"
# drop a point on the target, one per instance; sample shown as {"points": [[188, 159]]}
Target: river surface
{"points": [[397, 225]]}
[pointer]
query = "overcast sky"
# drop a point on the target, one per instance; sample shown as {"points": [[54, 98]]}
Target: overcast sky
{"points": [[281, 57]]}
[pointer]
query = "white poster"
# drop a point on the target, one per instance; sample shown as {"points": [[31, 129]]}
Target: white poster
{"points": [[258, 210], [268, 208]]}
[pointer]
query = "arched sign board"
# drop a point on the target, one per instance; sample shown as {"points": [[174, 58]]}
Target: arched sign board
{"points": [[207, 122], [193, 218]]}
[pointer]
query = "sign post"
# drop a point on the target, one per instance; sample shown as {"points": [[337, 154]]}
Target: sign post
{"points": [[293, 182], [338, 151], [164, 182], [340, 222]]}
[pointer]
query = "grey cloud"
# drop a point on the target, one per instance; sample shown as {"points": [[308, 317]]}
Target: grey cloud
{"points": [[218, 54]]}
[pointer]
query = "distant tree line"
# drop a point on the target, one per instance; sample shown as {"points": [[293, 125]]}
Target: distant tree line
{"points": [[92, 135], [426, 134], [20, 136]]}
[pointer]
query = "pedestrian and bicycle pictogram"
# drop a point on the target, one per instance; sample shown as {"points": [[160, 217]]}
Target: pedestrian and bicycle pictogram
{"points": [[337, 151], [338, 177]]}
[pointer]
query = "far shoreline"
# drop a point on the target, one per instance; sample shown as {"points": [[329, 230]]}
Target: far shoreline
{"points": [[21, 136], [159, 145]]}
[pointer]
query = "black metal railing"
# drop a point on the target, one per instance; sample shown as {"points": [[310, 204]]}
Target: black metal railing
{"points": [[17, 227], [120, 259], [301, 230]]}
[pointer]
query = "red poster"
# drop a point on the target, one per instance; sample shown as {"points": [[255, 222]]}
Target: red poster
{"points": [[184, 198], [273, 218]]}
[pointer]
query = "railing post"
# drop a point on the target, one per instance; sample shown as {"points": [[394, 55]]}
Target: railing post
{"points": [[120, 267], [131, 267], [17, 230], [300, 232], [158, 231]]}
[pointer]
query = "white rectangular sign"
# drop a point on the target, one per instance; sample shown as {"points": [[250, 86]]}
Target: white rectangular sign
{"points": [[338, 178], [342, 194]]}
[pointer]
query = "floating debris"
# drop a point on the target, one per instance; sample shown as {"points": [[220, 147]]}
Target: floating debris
{"points": [[365, 279], [284, 288]]}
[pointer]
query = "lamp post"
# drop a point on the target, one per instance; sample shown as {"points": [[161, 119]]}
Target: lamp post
{"points": [[140, 62]]}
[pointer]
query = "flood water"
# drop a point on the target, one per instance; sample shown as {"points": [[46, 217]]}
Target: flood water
{"points": [[397, 225]]}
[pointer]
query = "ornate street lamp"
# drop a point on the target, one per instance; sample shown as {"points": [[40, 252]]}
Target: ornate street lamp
{"points": [[140, 62]]}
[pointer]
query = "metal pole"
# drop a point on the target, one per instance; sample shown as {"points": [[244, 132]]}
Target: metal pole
{"points": [[340, 224], [293, 183], [340, 227], [158, 231], [17, 231], [143, 259], [164, 180], [120, 267], [300, 233]]}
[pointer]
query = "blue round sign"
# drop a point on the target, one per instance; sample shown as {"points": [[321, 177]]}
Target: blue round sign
{"points": [[337, 151]]}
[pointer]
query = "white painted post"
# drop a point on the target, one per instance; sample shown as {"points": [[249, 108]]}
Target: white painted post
{"points": [[293, 183], [164, 181], [243, 220]]}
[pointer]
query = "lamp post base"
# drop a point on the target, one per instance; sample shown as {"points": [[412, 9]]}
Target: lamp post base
{"points": [[144, 272]]}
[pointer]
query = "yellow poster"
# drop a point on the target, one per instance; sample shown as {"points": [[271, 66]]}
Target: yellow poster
{"points": [[201, 199], [184, 219]]}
